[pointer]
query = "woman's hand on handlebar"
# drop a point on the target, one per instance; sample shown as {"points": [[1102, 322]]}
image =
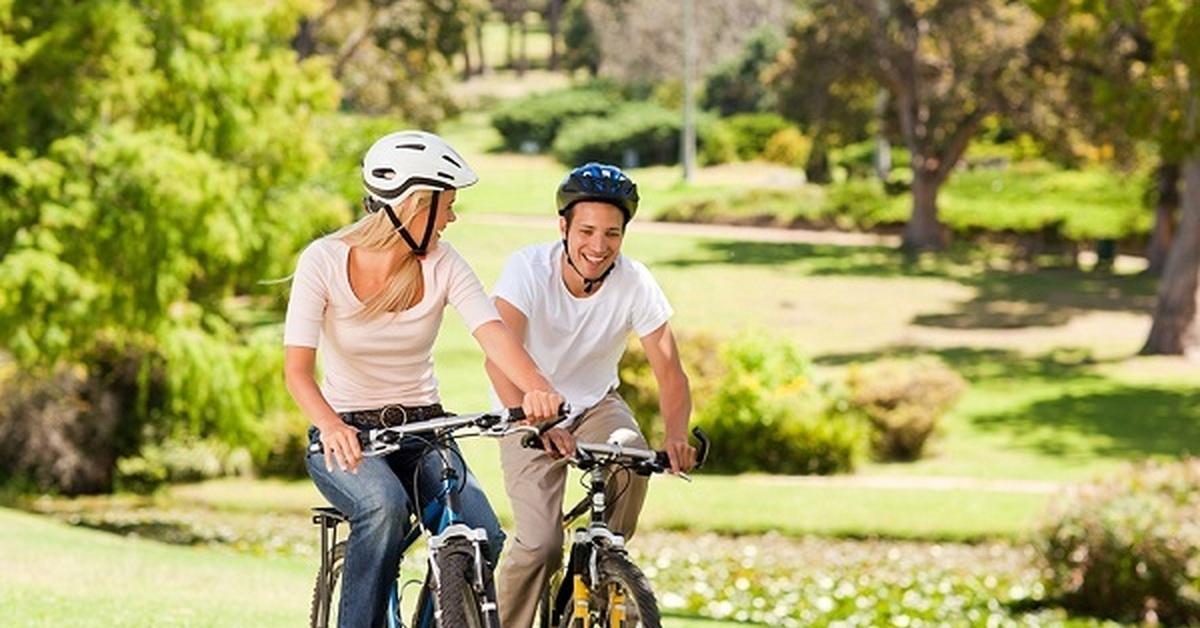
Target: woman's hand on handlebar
{"points": [[541, 406], [340, 442]]}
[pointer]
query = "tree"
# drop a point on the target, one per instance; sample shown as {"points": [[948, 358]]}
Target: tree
{"points": [[1140, 60], [392, 56], [641, 41], [155, 167], [946, 65]]}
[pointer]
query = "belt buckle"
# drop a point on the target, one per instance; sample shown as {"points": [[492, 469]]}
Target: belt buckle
{"points": [[388, 411]]}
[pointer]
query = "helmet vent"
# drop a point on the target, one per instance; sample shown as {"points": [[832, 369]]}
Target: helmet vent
{"points": [[420, 147], [384, 173], [445, 175]]}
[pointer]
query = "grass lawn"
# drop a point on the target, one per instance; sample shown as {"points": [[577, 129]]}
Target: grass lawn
{"points": [[1056, 395]]}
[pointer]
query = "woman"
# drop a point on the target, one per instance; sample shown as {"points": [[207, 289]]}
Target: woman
{"points": [[372, 295]]}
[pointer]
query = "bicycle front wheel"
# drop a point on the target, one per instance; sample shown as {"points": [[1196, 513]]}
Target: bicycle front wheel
{"points": [[621, 598], [465, 598]]}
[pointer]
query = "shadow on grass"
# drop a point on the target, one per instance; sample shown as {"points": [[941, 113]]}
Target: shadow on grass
{"points": [[1004, 299], [1124, 422], [975, 364], [1115, 421], [162, 531]]}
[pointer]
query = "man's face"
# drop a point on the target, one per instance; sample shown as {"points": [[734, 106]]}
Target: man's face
{"points": [[594, 236]]}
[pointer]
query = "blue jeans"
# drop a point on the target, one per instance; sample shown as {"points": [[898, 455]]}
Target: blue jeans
{"points": [[378, 501]]}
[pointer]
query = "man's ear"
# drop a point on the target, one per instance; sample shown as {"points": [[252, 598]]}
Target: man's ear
{"points": [[562, 226]]}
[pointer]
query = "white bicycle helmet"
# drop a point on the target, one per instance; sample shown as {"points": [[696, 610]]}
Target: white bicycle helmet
{"points": [[401, 163]]}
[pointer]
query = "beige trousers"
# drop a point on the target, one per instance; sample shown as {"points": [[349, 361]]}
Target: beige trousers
{"points": [[535, 484]]}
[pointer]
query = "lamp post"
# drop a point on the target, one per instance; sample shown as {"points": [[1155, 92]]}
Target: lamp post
{"points": [[689, 100]]}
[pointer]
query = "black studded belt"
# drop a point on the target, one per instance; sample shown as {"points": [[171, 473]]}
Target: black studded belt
{"points": [[391, 416]]}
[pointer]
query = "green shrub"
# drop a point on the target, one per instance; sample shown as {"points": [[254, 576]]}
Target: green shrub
{"points": [[185, 460], [638, 134], [700, 356], [904, 400], [788, 147], [769, 413], [863, 203], [759, 401], [1128, 547], [754, 130], [535, 120]]}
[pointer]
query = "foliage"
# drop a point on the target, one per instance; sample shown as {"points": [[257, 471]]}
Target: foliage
{"points": [[1032, 197], [148, 217], [701, 361], [757, 401], [637, 134], [643, 41], [769, 581], [64, 433], [535, 120], [391, 57], [1127, 547], [787, 147], [579, 39], [904, 401], [945, 67], [754, 130], [769, 413], [179, 461], [736, 85]]}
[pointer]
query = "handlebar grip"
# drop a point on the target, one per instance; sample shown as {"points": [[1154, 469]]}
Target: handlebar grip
{"points": [[534, 441], [703, 445]]}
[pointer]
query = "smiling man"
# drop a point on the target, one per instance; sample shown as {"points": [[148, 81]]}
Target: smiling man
{"points": [[573, 304]]}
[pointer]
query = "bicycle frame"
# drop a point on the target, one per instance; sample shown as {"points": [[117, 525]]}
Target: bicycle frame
{"points": [[440, 519], [573, 593]]}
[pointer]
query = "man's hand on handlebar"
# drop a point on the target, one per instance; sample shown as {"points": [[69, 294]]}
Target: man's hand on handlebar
{"points": [[558, 443], [540, 406], [681, 453]]}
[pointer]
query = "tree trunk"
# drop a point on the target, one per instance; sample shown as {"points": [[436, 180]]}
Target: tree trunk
{"points": [[523, 59], [1176, 330], [554, 11], [483, 66], [1164, 218], [924, 231]]}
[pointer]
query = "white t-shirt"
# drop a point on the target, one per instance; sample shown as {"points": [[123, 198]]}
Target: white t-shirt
{"points": [[578, 342], [368, 364]]}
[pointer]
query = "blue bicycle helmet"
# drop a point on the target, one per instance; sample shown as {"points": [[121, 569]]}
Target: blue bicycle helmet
{"points": [[598, 182]]}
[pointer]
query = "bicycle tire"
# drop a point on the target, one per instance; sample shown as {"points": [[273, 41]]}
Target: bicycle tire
{"points": [[621, 598], [324, 603], [459, 602]]}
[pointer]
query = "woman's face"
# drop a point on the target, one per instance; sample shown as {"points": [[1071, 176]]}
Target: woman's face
{"points": [[445, 216]]}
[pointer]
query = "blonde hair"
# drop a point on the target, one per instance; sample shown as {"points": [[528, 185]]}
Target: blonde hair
{"points": [[375, 231]]}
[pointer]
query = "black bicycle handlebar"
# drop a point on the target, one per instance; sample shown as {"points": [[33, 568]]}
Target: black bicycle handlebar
{"points": [[533, 439], [380, 440], [642, 460]]}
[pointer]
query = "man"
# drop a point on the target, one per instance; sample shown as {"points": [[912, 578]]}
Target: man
{"points": [[573, 304]]}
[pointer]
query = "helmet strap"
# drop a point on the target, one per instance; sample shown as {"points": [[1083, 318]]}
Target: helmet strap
{"points": [[422, 249], [588, 284]]}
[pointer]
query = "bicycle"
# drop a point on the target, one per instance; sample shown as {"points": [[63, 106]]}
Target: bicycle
{"points": [[599, 585], [458, 590]]}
